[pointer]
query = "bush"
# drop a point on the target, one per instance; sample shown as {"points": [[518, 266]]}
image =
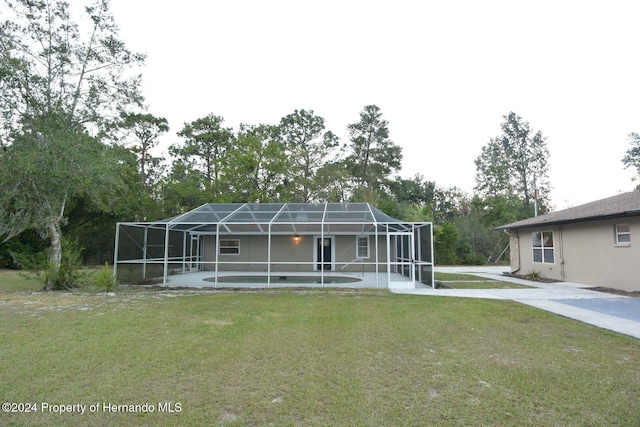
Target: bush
{"points": [[444, 244], [533, 275], [65, 276], [104, 278]]}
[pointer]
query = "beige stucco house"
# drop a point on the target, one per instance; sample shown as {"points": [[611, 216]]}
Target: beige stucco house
{"points": [[597, 243]]}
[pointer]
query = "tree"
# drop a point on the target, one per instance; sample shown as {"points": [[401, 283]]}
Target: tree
{"points": [[309, 147], [631, 157], [444, 243], [416, 190], [334, 183], [493, 175], [206, 143], [254, 168], [59, 88], [514, 163], [145, 130], [182, 189], [373, 155]]}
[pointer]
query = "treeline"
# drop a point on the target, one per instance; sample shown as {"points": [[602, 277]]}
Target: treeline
{"points": [[77, 154], [296, 160]]}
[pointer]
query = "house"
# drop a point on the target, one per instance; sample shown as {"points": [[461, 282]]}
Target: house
{"points": [[277, 240], [597, 243]]}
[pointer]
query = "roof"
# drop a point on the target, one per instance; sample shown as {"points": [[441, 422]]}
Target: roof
{"points": [[620, 206], [298, 218]]}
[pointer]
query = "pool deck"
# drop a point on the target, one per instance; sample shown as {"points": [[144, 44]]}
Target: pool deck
{"points": [[198, 280]]}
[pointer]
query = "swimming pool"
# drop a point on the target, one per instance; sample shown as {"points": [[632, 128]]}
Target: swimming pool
{"points": [[285, 279]]}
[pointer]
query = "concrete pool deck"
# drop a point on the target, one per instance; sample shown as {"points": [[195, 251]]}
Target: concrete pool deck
{"points": [[203, 279]]}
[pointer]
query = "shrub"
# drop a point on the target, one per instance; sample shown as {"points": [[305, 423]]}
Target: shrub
{"points": [[65, 276], [534, 275], [105, 279]]}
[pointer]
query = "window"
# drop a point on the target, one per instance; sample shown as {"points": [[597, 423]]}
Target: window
{"points": [[229, 247], [542, 242], [362, 247], [623, 234]]}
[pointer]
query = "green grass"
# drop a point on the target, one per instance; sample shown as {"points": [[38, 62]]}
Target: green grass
{"points": [[454, 276], [468, 281], [317, 358], [27, 281], [485, 284], [14, 281]]}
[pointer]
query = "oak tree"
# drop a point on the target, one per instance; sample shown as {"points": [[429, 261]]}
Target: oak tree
{"points": [[61, 83]]}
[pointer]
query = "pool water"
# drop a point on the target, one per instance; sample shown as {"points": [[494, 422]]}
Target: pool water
{"points": [[284, 279]]}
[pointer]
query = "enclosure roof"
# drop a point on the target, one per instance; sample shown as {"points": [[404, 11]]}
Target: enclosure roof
{"points": [[282, 217]]}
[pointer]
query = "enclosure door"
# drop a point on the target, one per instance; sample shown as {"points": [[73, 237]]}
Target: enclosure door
{"points": [[194, 254], [400, 256], [324, 247]]}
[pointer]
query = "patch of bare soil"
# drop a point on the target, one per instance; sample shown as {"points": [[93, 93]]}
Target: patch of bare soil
{"points": [[537, 279], [635, 294]]}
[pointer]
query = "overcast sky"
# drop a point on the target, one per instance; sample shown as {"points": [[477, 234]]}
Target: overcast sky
{"points": [[442, 72]]}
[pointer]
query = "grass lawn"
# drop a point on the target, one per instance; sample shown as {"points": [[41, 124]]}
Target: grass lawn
{"points": [[309, 358], [468, 281]]}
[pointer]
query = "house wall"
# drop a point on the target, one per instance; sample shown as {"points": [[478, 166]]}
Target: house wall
{"points": [[294, 255], [595, 259], [525, 253], [587, 253]]}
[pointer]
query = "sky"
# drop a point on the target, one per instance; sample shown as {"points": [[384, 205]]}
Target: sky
{"points": [[444, 73]]}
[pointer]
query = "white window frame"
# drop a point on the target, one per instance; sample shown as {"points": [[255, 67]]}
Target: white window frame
{"points": [[626, 233], [229, 244], [368, 247], [543, 248]]}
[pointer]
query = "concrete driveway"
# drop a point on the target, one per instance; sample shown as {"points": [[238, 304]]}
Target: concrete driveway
{"points": [[609, 311]]}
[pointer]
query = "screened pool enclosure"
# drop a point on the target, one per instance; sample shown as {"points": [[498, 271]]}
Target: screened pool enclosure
{"points": [[274, 242]]}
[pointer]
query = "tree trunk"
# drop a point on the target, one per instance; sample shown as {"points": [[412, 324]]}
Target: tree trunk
{"points": [[55, 249], [54, 232]]}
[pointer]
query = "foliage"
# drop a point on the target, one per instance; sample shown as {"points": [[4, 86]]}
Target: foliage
{"points": [[27, 242], [206, 143], [334, 183], [65, 275], [104, 278], [182, 190], [514, 163], [308, 147], [444, 244], [255, 167], [33, 169], [63, 88], [373, 156], [141, 135], [534, 275], [631, 157]]}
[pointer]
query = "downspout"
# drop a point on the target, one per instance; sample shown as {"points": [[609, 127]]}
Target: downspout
{"points": [[561, 244]]}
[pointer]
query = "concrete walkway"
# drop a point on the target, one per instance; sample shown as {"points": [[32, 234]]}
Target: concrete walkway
{"points": [[609, 311]]}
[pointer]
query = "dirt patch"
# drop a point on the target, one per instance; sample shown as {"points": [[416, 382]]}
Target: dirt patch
{"points": [[635, 294], [526, 277]]}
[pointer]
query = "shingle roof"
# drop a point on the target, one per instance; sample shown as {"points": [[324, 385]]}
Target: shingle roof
{"points": [[622, 205]]}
